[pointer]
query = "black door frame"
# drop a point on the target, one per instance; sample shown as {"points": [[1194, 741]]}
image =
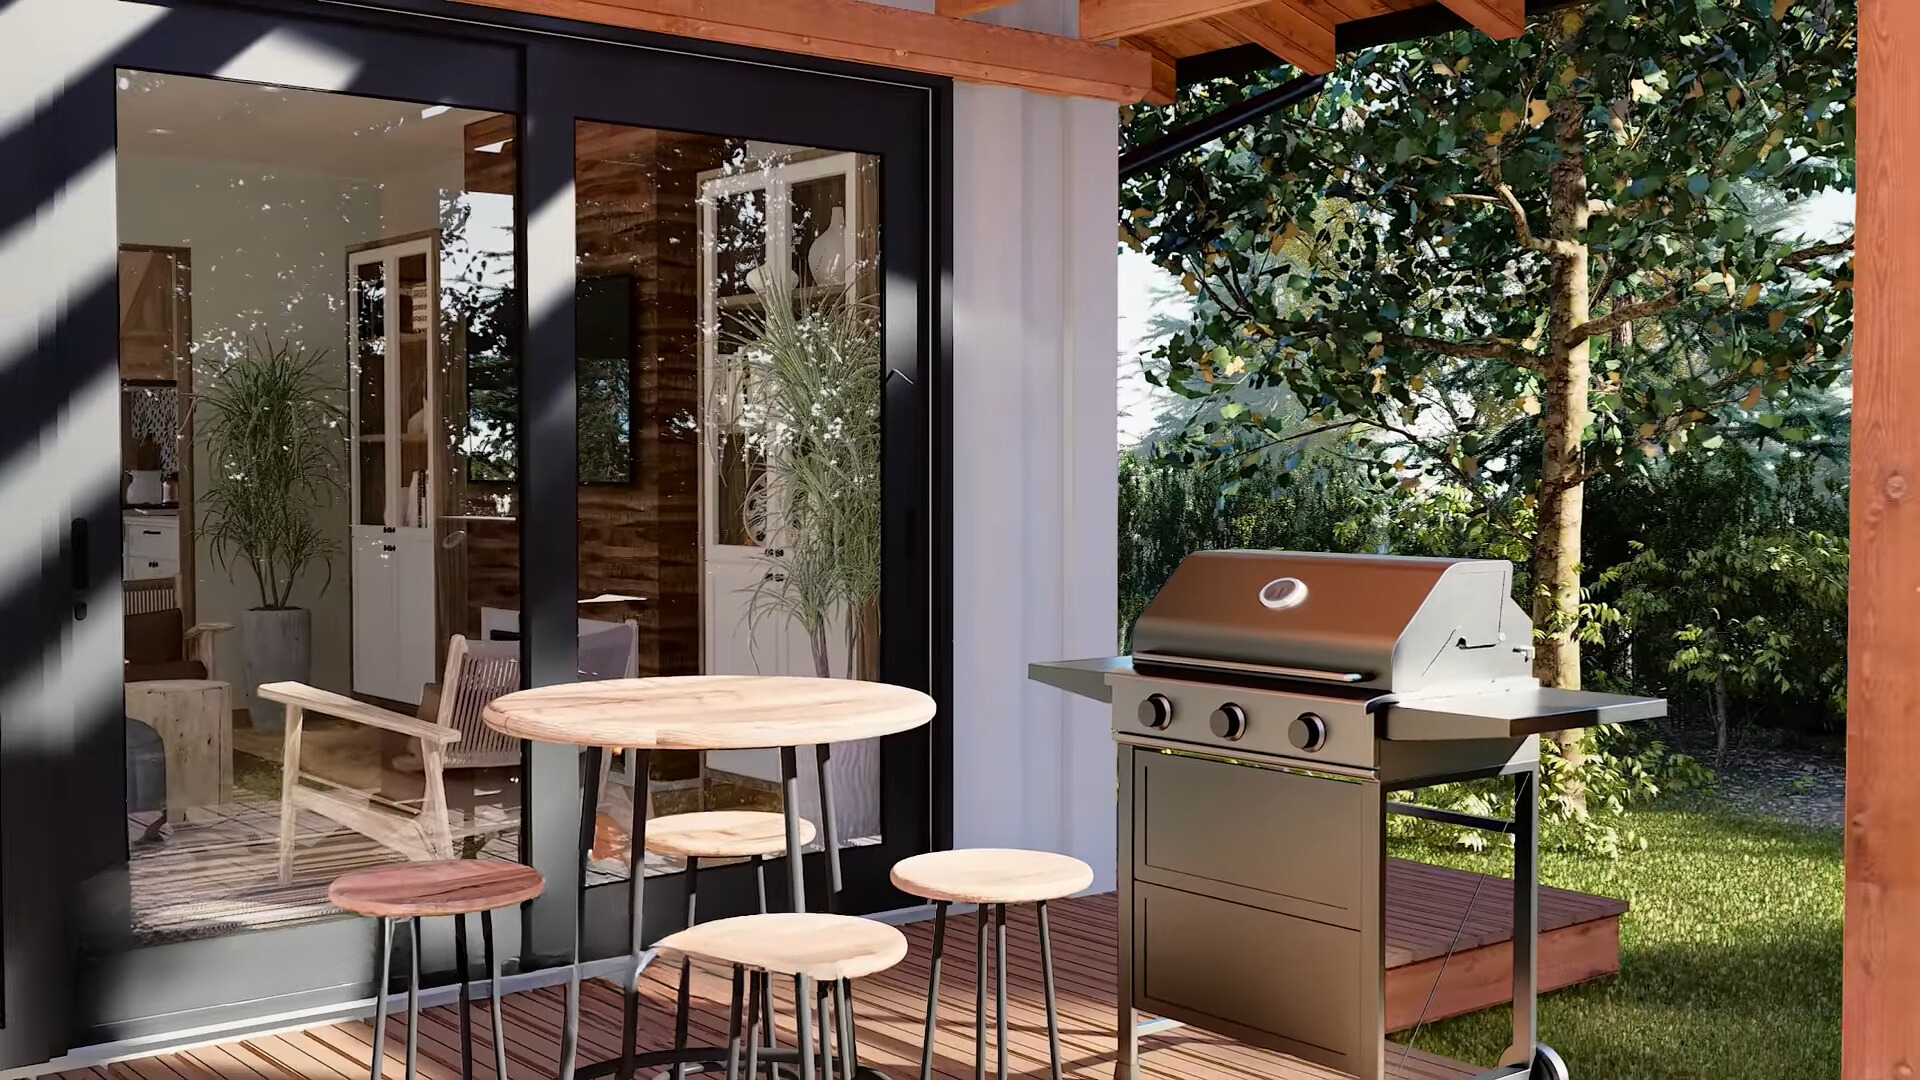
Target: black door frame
{"points": [[55, 998]]}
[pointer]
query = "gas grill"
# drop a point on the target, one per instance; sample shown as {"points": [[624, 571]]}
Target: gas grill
{"points": [[1271, 702]]}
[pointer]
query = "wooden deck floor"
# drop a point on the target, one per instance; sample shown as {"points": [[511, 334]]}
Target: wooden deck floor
{"points": [[890, 1009]]}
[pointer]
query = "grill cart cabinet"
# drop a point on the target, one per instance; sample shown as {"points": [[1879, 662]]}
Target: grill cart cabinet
{"points": [[1272, 703]]}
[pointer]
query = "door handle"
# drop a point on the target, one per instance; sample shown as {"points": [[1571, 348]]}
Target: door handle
{"points": [[80, 551]]}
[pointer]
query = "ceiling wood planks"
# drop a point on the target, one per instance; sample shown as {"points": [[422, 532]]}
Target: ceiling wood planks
{"points": [[960, 9], [1285, 31], [861, 32], [1498, 19], [1103, 19]]}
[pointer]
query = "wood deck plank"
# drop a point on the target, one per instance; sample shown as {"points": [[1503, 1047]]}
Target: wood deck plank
{"points": [[1580, 939]]}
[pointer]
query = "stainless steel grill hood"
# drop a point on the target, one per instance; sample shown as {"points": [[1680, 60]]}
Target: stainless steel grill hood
{"points": [[1376, 622]]}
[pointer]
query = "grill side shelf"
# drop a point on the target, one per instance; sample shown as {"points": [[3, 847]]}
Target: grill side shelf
{"points": [[1513, 713]]}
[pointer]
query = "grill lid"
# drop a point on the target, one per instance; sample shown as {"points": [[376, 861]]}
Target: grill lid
{"points": [[1378, 622]]}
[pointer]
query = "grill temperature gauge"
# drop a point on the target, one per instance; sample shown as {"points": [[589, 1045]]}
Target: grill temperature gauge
{"points": [[1156, 711]]}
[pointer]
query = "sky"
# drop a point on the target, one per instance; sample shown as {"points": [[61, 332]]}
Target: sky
{"points": [[1150, 296]]}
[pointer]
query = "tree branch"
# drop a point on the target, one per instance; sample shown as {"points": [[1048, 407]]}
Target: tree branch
{"points": [[1464, 350], [1529, 241], [1814, 254], [1621, 315]]}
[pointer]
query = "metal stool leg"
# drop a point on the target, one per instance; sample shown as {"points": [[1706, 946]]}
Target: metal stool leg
{"points": [[1046, 977], [733, 1023], [829, 1024], [413, 997], [380, 999], [754, 1004], [493, 992], [765, 979], [803, 1023], [1000, 988], [466, 1001], [933, 989], [680, 1017], [980, 995], [843, 1010]]}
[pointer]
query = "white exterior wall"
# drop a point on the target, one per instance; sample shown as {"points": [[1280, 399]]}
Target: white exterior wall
{"points": [[1034, 493]]}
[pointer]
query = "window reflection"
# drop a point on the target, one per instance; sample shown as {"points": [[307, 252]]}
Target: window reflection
{"points": [[319, 429]]}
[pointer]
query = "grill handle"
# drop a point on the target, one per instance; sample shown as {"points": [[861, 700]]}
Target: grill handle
{"points": [[1314, 674]]}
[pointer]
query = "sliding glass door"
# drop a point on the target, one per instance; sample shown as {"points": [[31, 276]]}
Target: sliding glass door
{"points": [[749, 312], [406, 362]]}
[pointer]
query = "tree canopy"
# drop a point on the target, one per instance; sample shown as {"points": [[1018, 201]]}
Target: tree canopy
{"points": [[1510, 267]]}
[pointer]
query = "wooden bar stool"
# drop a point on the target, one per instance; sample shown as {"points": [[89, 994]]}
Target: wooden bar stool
{"points": [[720, 834], [818, 950], [991, 878], [417, 890]]}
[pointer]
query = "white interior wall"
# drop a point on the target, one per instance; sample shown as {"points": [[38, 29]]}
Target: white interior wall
{"points": [[269, 255], [1036, 196], [269, 251]]}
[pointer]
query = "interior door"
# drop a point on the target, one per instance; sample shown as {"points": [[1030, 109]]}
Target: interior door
{"points": [[770, 230], [143, 888]]}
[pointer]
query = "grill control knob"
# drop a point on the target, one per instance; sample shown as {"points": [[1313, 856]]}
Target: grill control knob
{"points": [[1230, 722], [1156, 712], [1307, 732]]}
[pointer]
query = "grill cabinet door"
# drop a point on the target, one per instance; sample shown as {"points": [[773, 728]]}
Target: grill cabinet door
{"points": [[1256, 905]]}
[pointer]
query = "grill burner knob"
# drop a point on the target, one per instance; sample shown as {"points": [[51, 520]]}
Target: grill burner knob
{"points": [[1307, 732], [1156, 712], [1230, 722]]}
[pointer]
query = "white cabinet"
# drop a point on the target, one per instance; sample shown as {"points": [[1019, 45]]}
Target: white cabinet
{"points": [[792, 229], [149, 546], [394, 328], [393, 612]]}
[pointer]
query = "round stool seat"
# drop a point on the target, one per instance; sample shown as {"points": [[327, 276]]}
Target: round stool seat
{"points": [[992, 876], [440, 887], [723, 834], [820, 946]]}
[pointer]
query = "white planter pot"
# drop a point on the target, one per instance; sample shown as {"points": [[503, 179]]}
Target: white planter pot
{"points": [[278, 647]]}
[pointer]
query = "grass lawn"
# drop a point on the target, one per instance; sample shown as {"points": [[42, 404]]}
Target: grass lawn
{"points": [[1730, 958]]}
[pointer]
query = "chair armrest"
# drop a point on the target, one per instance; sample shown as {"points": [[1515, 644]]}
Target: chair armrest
{"points": [[314, 699], [208, 628]]}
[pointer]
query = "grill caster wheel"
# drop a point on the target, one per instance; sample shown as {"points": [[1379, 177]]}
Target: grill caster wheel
{"points": [[1546, 1064]]}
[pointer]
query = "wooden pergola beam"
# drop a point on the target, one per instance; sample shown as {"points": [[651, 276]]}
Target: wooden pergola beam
{"points": [[861, 32], [1285, 31], [1103, 19], [1498, 19], [1880, 998], [1166, 71], [960, 9]]}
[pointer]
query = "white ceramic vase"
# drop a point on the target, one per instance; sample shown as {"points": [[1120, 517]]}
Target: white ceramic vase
{"points": [[145, 487], [827, 258]]}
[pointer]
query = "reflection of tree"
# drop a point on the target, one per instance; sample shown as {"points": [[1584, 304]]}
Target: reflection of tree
{"points": [[605, 419], [478, 305]]}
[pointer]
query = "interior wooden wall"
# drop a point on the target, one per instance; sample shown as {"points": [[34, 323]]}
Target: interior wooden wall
{"points": [[1880, 1027], [637, 214]]}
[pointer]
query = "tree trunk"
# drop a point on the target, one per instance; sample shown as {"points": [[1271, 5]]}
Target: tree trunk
{"points": [[1568, 375], [1720, 717]]}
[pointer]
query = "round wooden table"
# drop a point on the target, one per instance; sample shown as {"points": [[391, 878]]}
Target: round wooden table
{"points": [[699, 712]]}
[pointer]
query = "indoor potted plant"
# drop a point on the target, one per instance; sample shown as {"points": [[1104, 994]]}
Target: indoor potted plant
{"points": [[272, 433], [813, 418]]}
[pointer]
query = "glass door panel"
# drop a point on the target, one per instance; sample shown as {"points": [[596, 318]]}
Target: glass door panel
{"points": [[319, 489], [746, 538]]}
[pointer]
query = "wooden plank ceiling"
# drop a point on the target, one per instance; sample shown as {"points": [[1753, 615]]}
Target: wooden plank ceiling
{"points": [[1154, 35], [1299, 32]]}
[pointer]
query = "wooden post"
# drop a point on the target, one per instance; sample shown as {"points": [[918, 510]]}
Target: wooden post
{"points": [[1880, 1038]]}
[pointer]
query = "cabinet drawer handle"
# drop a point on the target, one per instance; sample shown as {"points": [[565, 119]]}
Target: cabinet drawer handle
{"points": [[388, 547], [153, 566], [149, 532]]}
